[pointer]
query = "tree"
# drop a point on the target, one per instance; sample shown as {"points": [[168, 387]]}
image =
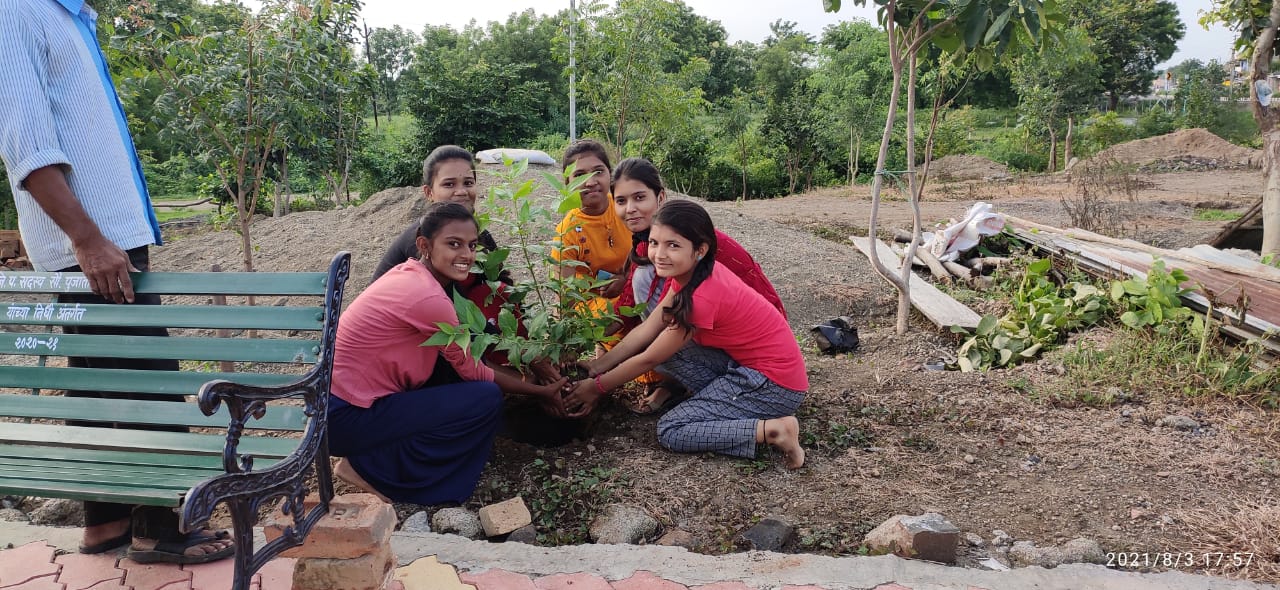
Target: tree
{"points": [[389, 51], [1130, 38], [1198, 100], [984, 27], [1055, 86], [235, 91], [477, 106], [853, 76], [1256, 22]]}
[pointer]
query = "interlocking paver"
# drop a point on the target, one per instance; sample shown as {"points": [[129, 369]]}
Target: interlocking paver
{"points": [[643, 580], [154, 576], [498, 580], [429, 574], [215, 575], [109, 585], [276, 575], [27, 563], [572, 582], [80, 571], [41, 583]]}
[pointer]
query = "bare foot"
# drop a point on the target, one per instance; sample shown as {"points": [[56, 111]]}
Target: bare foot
{"points": [[784, 433], [347, 473]]}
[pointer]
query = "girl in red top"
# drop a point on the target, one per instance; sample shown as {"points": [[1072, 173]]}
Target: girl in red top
{"points": [[722, 340], [637, 193]]}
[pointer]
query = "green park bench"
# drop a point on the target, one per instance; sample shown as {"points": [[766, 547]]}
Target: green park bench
{"points": [[258, 430]]}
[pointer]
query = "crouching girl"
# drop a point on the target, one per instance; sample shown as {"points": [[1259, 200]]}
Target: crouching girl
{"points": [[404, 432], [728, 345]]}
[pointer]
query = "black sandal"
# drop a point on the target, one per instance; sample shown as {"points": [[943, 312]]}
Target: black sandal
{"points": [[109, 544], [176, 551]]}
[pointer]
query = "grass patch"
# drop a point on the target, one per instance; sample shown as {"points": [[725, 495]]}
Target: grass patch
{"points": [[1217, 215], [170, 214], [1238, 539], [1145, 363]]}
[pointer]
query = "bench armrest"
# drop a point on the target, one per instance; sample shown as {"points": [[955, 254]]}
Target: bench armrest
{"points": [[245, 402]]}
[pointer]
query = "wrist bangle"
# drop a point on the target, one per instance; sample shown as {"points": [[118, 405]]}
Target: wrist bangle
{"points": [[599, 386]]}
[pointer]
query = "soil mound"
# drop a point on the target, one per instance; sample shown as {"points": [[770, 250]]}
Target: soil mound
{"points": [[1184, 143], [962, 167]]}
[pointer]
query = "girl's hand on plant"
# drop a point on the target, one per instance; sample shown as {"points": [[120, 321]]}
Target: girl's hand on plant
{"points": [[545, 371], [614, 288], [582, 398], [550, 400], [591, 367]]}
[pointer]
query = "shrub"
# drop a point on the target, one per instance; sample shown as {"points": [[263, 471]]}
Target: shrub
{"points": [[387, 161], [1013, 149], [1105, 131], [1156, 121]]}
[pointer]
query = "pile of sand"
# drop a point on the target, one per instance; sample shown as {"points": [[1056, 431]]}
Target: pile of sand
{"points": [[962, 167], [1194, 143]]}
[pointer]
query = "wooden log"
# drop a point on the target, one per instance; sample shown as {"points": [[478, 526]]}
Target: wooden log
{"points": [[935, 268], [983, 264], [960, 271], [902, 236]]}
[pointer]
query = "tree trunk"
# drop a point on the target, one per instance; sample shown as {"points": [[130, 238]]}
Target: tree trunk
{"points": [[1267, 118], [852, 177], [1053, 150], [1113, 101], [1066, 144]]}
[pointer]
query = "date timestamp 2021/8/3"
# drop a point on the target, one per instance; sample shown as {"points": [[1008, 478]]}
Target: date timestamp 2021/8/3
{"points": [[1172, 560]]}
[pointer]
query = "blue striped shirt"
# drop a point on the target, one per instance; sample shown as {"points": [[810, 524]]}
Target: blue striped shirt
{"points": [[58, 106]]}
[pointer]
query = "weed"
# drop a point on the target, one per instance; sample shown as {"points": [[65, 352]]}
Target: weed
{"points": [[834, 539], [1102, 186], [920, 443], [563, 502], [1217, 215], [835, 438]]}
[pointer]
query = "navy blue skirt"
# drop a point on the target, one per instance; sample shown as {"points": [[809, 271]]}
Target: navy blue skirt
{"points": [[426, 446]]}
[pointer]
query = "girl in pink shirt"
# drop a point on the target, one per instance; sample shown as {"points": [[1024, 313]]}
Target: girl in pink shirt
{"points": [[721, 339], [403, 433]]}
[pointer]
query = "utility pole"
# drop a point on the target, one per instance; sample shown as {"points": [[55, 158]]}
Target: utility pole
{"points": [[573, 72]]}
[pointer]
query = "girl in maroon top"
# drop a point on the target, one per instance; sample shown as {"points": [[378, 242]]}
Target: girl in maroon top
{"points": [[638, 191]]}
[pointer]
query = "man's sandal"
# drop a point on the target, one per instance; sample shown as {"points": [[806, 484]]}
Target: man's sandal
{"points": [[176, 551]]}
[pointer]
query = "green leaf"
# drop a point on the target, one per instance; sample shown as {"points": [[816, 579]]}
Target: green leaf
{"points": [[1039, 267], [997, 27], [507, 322], [986, 325], [831, 5], [1130, 319], [1117, 290], [441, 338], [976, 26], [966, 365], [1006, 355]]}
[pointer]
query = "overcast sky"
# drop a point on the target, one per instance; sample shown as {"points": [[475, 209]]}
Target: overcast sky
{"points": [[743, 19]]}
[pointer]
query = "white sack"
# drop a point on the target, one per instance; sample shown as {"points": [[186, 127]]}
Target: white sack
{"points": [[494, 156]]}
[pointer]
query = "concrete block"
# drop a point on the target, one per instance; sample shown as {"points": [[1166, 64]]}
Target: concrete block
{"points": [[357, 524], [371, 571], [505, 517], [928, 536]]}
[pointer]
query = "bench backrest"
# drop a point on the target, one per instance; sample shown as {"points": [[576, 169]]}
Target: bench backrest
{"points": [[268, 344]]}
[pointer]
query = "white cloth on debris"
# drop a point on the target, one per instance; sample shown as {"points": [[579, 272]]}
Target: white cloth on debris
{"points": [[949, 242], [495, 155]]}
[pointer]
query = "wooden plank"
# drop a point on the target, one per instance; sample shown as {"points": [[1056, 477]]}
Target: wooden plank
{"points": [[178, 481], [96, 493], [56, 407], [137, 459], [128, 380], [84, 437], [163, 316], [939, 307], [279, 350], [174, 283]]}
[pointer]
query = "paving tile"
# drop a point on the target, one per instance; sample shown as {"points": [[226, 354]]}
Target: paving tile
{"points": [[724, 586], [26, 563], [215, 575], [109, 585], [276, 575], [40, 583], [154, 576], [572, 582], [80, 571], [429, 574], [498, 580], [647, 581]]}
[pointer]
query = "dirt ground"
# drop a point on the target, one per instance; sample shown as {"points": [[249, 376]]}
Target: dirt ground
{"points": [[884, 435]]}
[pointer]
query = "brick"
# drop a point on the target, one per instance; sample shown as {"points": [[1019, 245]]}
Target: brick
{"points": [[929, 537], [647, 581], [505, 517], [429, 574], [26, 563], [572, 582], [498, 580], [367, 572], [355, 526], [153, 576], [276, 575], [80, 571]]}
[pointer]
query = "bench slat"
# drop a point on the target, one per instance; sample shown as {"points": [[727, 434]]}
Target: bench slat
{"points": [[279, 350], [56, 407], [127, 380], [43, 464], [115, 458], [164, 316], [174, 283], [97, 493], [180, 481], [150, 441]]}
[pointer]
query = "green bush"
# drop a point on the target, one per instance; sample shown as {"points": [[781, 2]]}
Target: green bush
{"points": [[179, 175], [1013, 149], [387, 161], [952, 135], [1237, 126], [1105, 131], [552, 143], [1156, 121]]}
